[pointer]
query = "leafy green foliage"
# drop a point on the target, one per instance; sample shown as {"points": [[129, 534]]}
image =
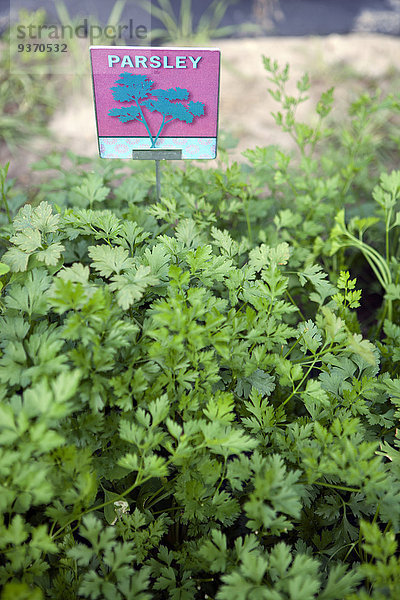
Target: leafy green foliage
{"points": [[198, 397]]}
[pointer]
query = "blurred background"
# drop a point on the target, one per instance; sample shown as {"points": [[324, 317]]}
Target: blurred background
{"points": [[46, 99]]}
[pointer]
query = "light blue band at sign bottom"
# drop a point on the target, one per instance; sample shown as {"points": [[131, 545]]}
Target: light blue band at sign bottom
{"points": [[193, 148]]}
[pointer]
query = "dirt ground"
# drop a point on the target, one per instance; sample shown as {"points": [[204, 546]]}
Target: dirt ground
{"points": [[351, 63]]}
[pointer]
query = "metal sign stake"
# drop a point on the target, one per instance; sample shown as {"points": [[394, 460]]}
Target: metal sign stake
{"points": [[158, 180], [157, 154]]}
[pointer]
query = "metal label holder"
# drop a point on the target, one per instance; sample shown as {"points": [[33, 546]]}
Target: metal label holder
{"points": [[157, 154]]}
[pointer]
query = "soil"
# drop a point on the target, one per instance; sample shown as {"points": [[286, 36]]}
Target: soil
{"points": [[351, 63]]}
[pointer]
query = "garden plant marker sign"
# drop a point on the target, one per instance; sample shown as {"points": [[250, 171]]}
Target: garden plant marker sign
{"points": [[156, 103]]}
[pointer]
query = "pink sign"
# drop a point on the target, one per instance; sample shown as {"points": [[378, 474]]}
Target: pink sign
{"points": [[163, 98]]}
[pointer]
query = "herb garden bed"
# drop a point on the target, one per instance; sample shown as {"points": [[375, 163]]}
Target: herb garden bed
{"points": [[199, 399]]}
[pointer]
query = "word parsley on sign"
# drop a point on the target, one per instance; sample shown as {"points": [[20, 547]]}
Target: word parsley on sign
{"points": [[155, 62]]}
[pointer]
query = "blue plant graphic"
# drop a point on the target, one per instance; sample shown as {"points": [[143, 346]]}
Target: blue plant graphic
{"points": [[138, 88]]}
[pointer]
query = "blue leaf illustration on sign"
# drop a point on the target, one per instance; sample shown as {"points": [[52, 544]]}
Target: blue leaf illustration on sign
{"points": [[138, 89]]}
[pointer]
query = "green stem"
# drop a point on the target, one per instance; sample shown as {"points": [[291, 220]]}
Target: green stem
{"points": [[342, 548], [292, 347], [379, 266], [155, 498], [380, 263], [375, 269], [323, 352], [222, 475], [246, 211], [378, 259], [388, 218], [137, 482], [381, 320], [52, 528], [294, 304], [3, 197], [388, 526], [376, 515], [300, 383], [343, 488], [164, 510], [241, 308]]}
